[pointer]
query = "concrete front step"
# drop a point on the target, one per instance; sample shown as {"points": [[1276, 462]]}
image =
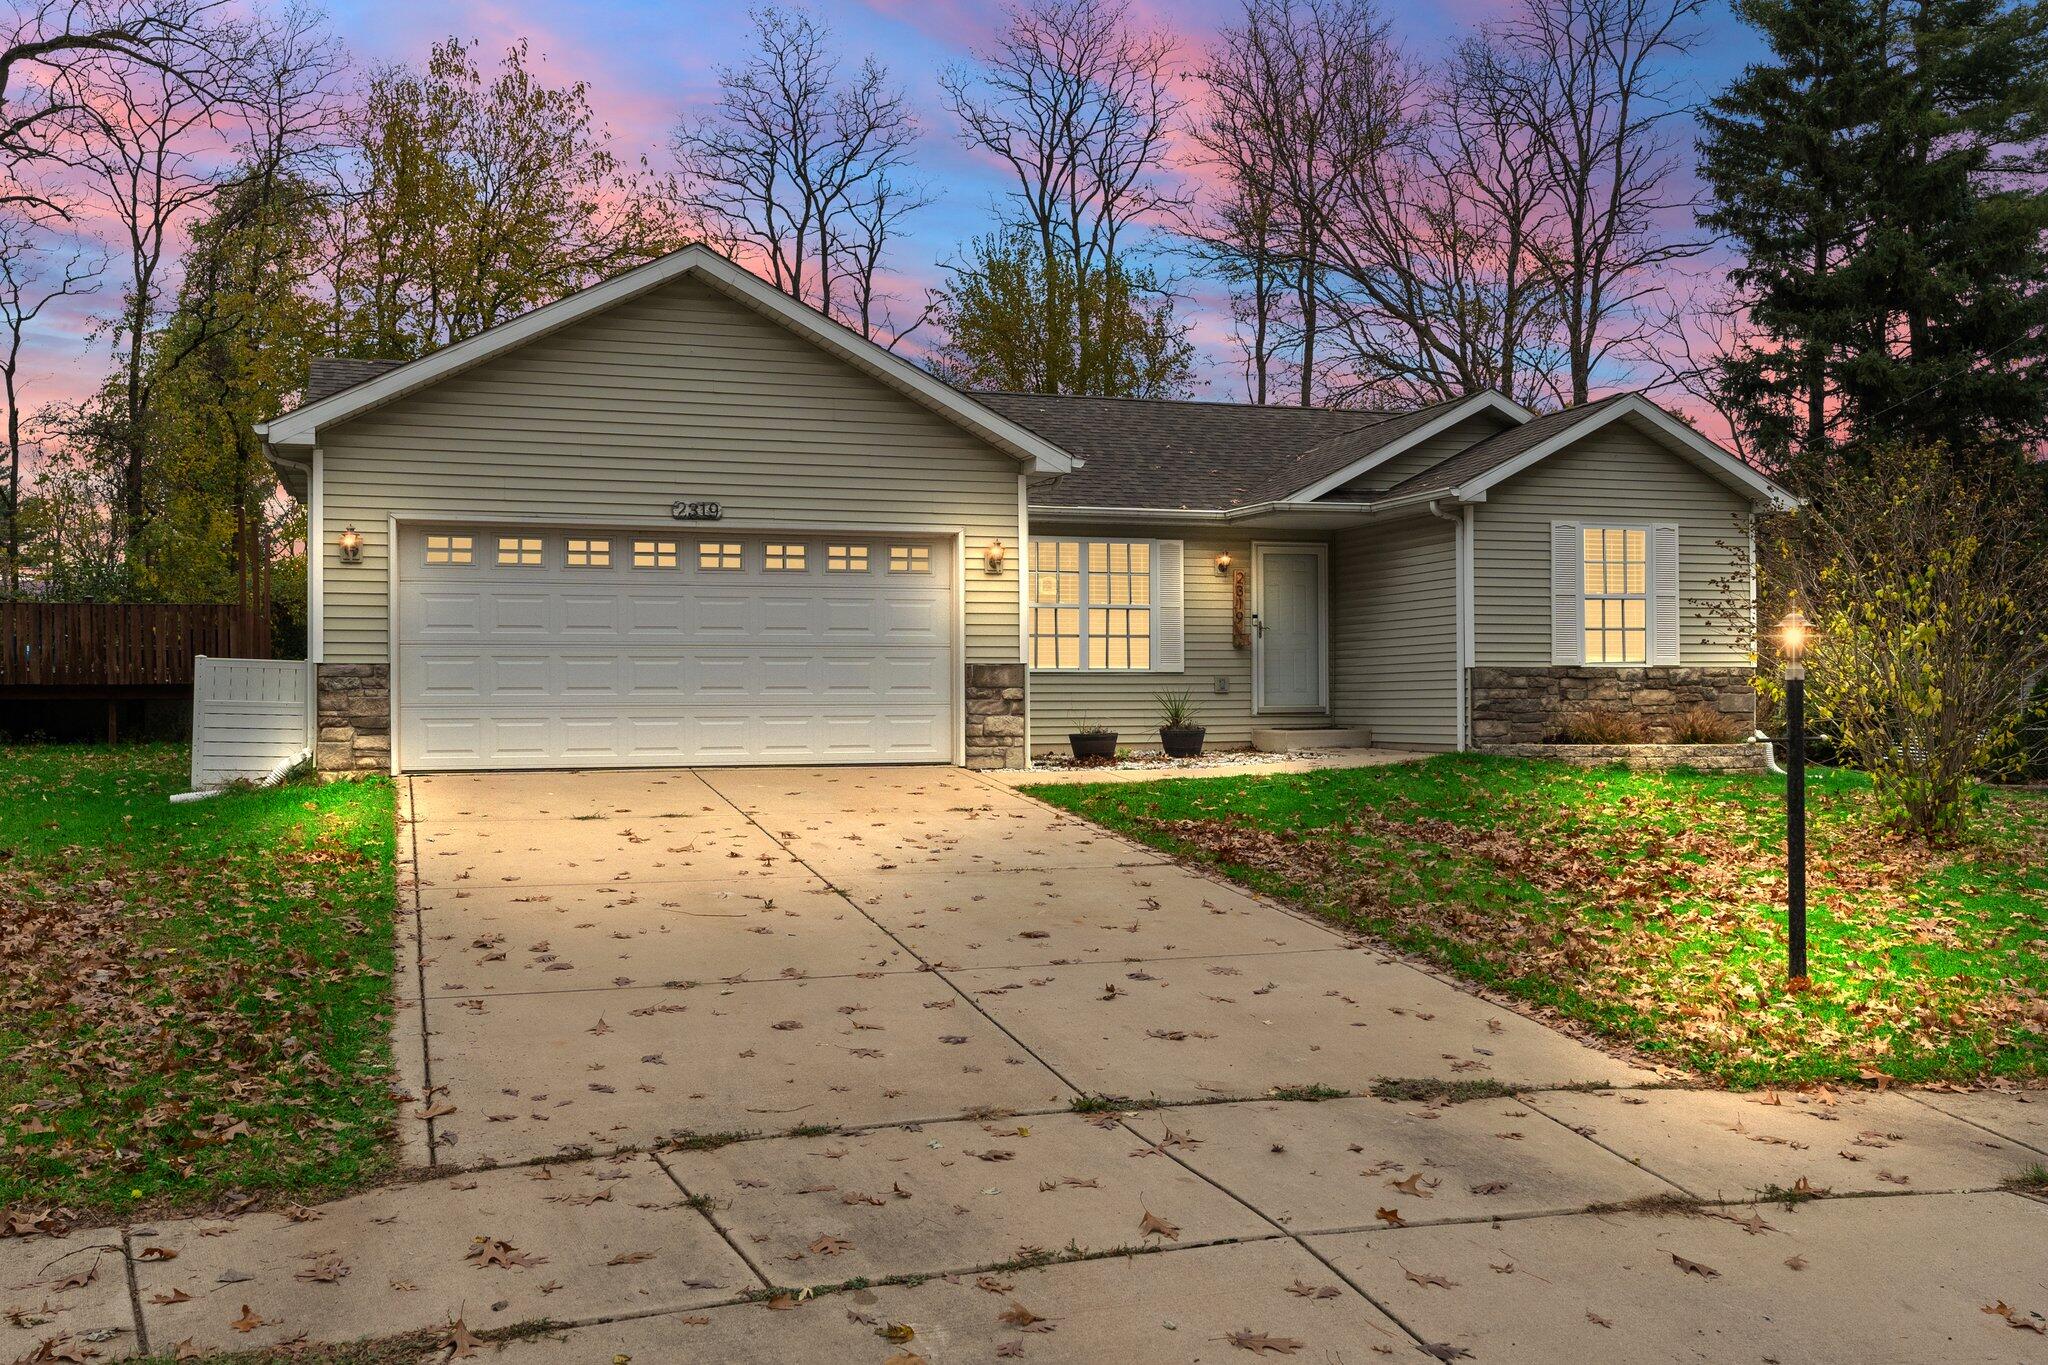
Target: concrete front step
{"points": [[1293, 739]]}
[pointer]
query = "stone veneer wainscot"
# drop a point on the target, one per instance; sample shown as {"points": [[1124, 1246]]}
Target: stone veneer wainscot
{"points": [[355, 718], [1531, 705], [995, 715]]}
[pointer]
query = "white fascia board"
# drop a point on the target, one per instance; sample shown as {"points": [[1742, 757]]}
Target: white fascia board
{"points": [[1710, 456], [1453, 413], [302, 426]]}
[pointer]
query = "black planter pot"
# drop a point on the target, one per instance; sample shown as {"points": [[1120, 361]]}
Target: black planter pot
{"points": [[1185, 742], [1094, 746]]}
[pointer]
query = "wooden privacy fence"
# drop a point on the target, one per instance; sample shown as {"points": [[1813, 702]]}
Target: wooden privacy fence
{"points": [[56, 650]]}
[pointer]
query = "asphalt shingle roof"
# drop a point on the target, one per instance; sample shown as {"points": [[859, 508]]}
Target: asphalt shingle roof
{"points": [[329, 375], [1175, 454]]}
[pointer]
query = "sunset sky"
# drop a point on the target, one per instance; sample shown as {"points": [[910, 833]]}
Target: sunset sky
{"points": [[647, 61]]}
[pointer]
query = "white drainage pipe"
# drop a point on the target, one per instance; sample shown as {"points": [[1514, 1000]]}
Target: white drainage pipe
{"points": [[1770, 754], [270, 779]]}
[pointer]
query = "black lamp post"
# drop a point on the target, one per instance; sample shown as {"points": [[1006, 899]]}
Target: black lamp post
{"points": [[1792, 641]]}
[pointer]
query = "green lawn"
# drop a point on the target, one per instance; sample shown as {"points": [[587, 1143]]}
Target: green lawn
{"points": [[1650, 905], [194, 999]]}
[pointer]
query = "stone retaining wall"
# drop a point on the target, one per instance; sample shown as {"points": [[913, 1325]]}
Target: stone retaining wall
{"points": [[1531, 705], [995, 715], [1711, 758], [354, 707]]}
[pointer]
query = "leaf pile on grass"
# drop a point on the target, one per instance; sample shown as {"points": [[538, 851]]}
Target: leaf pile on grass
{"points": [[194, 1001], [1650, 906]]}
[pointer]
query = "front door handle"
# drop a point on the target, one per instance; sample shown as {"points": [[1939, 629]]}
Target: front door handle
{"points": [[1258, 625]]}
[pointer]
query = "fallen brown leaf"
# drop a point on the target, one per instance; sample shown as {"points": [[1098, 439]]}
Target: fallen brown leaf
{"points": [[1260, 1343], [1018, 1316], [1152, 1225]]}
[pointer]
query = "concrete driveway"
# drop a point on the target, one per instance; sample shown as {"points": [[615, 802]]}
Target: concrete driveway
{"points": [[680, 1038]]}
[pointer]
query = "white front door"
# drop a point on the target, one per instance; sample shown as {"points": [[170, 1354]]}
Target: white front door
{"points": [[1288, 643]]}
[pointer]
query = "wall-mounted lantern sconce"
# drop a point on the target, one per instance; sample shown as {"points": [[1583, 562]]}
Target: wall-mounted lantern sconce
{"points": [[1223, 564], [350, 543], [992, 558]]}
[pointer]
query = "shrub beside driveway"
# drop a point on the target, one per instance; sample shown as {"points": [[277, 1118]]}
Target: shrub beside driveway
{"points": [[1650, 906], [194, 999]]}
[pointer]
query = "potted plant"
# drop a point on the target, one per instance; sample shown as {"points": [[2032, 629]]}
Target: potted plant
{"points": [[1093, 741], [1178, 733]]}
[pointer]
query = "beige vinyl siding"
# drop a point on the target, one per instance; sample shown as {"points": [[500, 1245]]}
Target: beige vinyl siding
{"points": [[1062, 702], [1433, 451], [1394, 632], [681, 393], [1619, 473]]}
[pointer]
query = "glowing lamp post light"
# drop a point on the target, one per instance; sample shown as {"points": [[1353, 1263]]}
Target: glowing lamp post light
{"points": [[1792, 632]]}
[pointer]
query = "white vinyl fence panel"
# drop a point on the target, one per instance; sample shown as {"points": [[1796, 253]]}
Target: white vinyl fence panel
{"points": [[248, 716]]}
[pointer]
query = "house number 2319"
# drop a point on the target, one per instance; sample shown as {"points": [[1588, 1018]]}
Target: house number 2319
{"points": [[687, 509]]}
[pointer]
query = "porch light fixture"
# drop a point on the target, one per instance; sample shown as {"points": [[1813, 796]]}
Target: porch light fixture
{"points": [[350, 543], [1223, 564], [992, 558], [1792, 636]]}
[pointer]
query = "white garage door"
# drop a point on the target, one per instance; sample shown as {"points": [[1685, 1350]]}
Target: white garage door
{"points": [[524, 648]]}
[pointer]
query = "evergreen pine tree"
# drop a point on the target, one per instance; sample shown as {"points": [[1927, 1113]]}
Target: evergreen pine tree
{"points": [[1880, 176]]}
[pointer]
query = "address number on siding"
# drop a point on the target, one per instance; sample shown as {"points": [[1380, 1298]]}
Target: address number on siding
{"points": [[685, 509]]}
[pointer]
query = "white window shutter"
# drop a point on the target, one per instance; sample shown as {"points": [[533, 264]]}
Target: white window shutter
{"points": [[1169, 634], [1567, 593], [1664, 594]]}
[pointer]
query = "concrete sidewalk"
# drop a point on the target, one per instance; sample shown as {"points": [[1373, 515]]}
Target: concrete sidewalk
{"points": [[934, 1057]]}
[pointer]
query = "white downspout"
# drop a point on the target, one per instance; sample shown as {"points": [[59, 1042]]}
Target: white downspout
{"points": [[270, 779], [1023, 557], [1461, 537]]}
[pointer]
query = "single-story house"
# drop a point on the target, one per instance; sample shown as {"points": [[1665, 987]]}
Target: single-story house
{"points": [[678, 518]]}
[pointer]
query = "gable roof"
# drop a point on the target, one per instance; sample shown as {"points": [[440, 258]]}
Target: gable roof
{"points": [[1468, 474], [301, 426], [1337, 463], [1484, 456], [1176, 454], [1233, 460]]}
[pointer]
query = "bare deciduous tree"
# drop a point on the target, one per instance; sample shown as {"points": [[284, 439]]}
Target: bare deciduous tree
{"points": [[805, 171], [36, 270], [43, 45], [1597, 98], [1685, 350], [156, 143], [1080, 108], [1299, 93]]}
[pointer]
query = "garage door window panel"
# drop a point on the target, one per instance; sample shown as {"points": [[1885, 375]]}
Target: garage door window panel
{"points": [[720, 556], [587, 552], [910, 559], [520, 552], [654, 554], [783, 557], [450, 551], [846, 559]]}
